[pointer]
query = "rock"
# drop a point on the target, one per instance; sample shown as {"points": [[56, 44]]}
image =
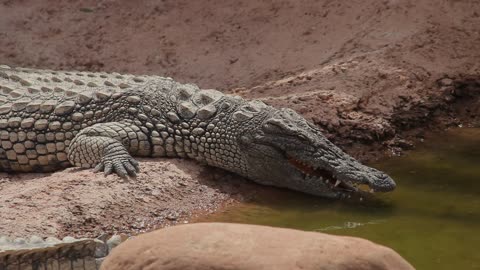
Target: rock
{"points": [[243, 247], [446, 82]]}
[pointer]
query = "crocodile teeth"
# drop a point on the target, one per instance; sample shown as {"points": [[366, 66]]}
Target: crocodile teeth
{"points": [[337, 183]]}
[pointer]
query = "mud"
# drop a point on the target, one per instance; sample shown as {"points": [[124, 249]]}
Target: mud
{"points": [[374, 75]]}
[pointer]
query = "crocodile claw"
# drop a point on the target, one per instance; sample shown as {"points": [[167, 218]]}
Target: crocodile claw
{"points": [[123, 165]]}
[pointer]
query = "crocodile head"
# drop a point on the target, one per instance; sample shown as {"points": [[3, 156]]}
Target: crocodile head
{"points": [[287, 151]]}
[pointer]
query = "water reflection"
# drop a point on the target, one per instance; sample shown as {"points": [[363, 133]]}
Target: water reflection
{"points": [[432, 219]]}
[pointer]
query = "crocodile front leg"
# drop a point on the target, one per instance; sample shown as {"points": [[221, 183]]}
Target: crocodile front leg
{"points": [[108, 147]]}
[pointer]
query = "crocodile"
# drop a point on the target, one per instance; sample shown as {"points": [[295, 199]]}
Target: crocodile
{"points": [[52, 253], [51, 120], [54, 119]]}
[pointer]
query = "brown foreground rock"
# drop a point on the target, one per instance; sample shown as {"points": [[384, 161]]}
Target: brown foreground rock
{"points": [[243, 247]]}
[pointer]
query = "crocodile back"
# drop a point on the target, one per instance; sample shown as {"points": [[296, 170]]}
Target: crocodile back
{"points": [[41, 111]]}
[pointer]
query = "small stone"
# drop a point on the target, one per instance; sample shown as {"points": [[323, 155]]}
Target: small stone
{"points": [[172, 216], [446, 82]]}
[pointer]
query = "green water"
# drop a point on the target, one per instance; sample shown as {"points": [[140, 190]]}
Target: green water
{"points": [[432, 219]]}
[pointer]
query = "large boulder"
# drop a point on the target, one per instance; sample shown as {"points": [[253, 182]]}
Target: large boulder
{"points": [[221, 246]]}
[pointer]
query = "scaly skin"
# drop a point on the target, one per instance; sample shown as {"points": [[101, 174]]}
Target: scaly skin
{"points": [[52, 253], [54, 119]]}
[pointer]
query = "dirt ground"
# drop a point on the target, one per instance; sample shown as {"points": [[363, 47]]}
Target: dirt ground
{"points": [[374, 75]]}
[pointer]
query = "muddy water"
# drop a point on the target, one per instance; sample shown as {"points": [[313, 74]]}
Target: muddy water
{"points": [[432, 219]]}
